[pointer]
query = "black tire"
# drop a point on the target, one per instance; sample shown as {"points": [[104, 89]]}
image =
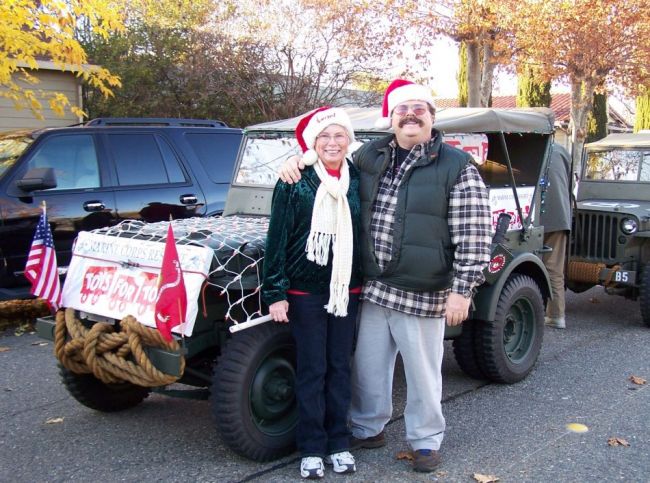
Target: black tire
{"points": [[465, 350], [508, 347], [644, 295], [108, 398], [252, 394]]}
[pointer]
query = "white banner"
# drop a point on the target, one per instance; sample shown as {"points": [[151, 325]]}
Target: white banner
{"points": [[474, 144], [502, 200], [115, 277]]}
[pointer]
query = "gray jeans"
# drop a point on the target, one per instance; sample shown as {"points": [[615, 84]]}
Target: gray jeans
{"points": [[382, 334]]}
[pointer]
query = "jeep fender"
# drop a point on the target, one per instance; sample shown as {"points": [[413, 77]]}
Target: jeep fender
{"points": [[487, 296]]}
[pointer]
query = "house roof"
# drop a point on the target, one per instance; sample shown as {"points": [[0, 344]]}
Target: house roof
{"points": [[560, 104]]}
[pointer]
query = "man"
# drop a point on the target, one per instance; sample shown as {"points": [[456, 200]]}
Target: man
{"points": [[556, 218], [426, 233]]}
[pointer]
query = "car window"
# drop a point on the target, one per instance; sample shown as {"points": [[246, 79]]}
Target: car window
{"points": [[12, 145], [217, 153], [73, 158], [143, 159], [618, 165]]}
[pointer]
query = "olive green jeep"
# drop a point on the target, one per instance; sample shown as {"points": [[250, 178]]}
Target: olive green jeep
{"points": [[248, 369], [610, 240]]}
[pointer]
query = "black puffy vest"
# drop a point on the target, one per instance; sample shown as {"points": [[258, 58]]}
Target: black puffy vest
{"points": [[422, 250]]}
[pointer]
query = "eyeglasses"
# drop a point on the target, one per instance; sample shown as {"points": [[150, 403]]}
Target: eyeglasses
{"points": [[338, 138], [403, 109]]}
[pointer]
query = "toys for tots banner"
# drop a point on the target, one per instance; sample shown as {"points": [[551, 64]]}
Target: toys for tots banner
{"points": [[115, 277], [502, 200]]}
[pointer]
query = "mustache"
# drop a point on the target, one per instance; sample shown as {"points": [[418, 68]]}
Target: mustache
{"points": [[410, 118]]}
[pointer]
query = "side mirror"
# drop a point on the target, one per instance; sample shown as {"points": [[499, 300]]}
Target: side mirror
{"points": [[37, 179]]}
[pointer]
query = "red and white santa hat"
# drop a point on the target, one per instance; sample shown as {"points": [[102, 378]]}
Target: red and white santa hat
{"points": [[313, 123], [399, 91]]}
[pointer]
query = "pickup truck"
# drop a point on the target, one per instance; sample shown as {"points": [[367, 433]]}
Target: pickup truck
{"points": [[103, 172]]}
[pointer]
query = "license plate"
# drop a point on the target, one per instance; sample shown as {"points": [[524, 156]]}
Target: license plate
{"points": [[624, 277]]}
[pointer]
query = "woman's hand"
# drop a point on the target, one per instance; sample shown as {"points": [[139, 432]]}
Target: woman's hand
{"points": [[278, 311]]}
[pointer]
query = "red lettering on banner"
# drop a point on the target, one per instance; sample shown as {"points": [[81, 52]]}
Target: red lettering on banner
{"points": [[515, 220], [96, 283]]}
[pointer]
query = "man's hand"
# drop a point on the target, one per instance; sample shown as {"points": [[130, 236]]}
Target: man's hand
{"points": [[457, 308], [290, 170], [278, 311]]}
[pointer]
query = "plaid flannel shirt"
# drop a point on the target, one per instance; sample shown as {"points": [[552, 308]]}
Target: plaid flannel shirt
{"points": [[470, 226]]}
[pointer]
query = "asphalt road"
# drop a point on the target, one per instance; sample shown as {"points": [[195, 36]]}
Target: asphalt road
{"points": [[517, 433]]}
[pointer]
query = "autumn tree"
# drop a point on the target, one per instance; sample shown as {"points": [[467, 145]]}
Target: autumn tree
{"points": [[230, 60], [33, 30], [586, 43]]}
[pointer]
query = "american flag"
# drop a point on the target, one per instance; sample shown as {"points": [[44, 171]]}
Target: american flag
{"points": [[41, 269]]}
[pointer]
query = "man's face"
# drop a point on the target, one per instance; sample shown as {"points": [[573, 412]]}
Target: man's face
{"points": [[412, 122]]}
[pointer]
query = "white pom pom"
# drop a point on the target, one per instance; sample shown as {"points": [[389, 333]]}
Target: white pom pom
{"points": [[382, 123], [309, 157]]}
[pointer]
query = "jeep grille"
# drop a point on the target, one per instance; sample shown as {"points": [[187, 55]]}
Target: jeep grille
{"points": [[595, 236]]}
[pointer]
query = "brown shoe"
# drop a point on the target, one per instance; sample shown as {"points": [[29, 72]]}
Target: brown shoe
{"points": [[426, 460], [372, 442]]}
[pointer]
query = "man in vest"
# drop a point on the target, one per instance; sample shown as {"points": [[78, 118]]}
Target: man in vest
{"points": [[425, 236]]}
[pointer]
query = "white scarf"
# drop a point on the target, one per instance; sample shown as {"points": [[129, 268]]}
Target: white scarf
{"points": [[331, 224]]}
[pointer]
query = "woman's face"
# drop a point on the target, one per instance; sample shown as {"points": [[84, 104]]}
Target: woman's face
{"points": [[332, 145]]}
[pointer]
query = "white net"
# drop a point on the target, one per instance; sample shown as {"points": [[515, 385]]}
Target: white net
{"points": [[238, 250]]}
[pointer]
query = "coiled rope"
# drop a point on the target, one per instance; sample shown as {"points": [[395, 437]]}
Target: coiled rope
{"points": [[110, 356]]}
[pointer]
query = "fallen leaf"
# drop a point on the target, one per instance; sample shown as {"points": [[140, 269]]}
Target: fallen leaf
{"points": [[54, 421], [616, 441], [6, 349], [577, 428], [594, 300], [638, 380], [405, 455], [39, 343], [484, 478]]}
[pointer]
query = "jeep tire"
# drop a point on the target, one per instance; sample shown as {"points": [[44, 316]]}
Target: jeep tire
{"points": [[465, 350], [252, 395], [644, 294], [507, 347], [97, 395]]}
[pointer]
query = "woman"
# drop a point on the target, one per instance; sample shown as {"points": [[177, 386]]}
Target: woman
{"points": [[312, 280]]}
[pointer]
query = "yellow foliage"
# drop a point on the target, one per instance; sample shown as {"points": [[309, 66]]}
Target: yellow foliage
{"points": [[32, 30]]}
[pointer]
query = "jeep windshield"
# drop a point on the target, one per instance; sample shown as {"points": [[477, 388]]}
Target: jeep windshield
{"points": [[12, 145], [618, 163], [264, 152]]}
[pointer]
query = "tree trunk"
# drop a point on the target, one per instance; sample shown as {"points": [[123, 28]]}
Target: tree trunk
{"points": [[582, 92], [487, 74], [473, 75]]}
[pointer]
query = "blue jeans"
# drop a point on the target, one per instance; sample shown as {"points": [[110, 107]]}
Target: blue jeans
{"points": [[323, 352]]}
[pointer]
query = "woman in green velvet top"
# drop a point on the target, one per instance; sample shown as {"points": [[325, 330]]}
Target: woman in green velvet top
{"points": [[312, 280]]}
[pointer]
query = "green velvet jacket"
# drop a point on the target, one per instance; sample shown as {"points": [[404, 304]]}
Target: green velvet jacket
{"points": [[285, 259]]}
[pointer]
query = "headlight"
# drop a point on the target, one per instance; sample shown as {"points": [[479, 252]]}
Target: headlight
{"points": [[629, 226]]}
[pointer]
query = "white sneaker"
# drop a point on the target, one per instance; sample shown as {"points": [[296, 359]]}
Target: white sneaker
{"points": [[556, 323], [312, 467], [342, 462]]}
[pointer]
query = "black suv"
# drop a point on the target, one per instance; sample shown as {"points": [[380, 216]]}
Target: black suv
{"points": [[103, 172]]}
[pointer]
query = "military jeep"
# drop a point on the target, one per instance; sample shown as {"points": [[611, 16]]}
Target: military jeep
{"points": [[247, 368], [610, 240]]}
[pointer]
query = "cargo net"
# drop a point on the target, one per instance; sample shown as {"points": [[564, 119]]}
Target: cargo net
{"points": [[238, 250]]}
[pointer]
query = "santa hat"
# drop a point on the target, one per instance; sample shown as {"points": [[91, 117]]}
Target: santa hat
{"points": [[313, 123], [399, 91]]}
